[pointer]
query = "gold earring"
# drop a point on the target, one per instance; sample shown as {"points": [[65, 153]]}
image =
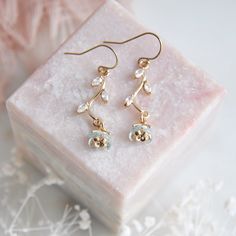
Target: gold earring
{"points": [[100, 137], [140, 132]]}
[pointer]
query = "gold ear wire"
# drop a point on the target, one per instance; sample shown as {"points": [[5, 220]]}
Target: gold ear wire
{"points": [[100, 68], [135, 37]]}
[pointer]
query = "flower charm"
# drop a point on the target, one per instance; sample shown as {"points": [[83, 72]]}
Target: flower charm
{"points": [[99, 139], [140, 133]]}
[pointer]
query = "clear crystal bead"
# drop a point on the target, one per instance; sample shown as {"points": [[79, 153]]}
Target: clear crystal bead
{"points": [[105, 96], [82, 108], [129, 101], [97, 81], [147, 88], [139, 73]]}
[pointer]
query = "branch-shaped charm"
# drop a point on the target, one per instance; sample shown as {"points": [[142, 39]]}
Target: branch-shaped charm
{"points": [[140, 132], [99, 138], [100, 83]]}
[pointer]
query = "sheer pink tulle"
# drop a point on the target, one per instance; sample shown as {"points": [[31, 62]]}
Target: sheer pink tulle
{"points": [[30, 30]]}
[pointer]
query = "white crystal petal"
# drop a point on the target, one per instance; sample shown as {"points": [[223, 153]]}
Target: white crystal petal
{"points": [[131, 136], [147, 88], [96, 82], [105, 96], [129, 101], [82, 108], [139, 73]]}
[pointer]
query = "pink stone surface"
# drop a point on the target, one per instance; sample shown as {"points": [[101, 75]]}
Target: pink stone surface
{"points": [[47, 102]]}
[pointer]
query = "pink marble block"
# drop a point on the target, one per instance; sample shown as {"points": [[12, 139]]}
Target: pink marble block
{"points": [[117, 183]]}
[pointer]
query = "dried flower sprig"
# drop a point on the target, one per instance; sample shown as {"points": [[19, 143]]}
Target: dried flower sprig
{"points": [[21, 200]]}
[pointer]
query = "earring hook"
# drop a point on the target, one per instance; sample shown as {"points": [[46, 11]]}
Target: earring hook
{"points": [[135, 37], [97, 46]]}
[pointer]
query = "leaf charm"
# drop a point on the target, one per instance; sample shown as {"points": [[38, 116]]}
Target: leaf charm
{"points": [[82, 108], [105, 96], [139, 73], [129, 100], [147, 88], [96, 82]]}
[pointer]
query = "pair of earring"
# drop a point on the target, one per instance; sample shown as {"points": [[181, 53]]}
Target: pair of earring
{"points": [[141, 131]]}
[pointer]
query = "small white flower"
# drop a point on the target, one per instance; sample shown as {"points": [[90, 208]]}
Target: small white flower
{"points": [[84, 224], [84, 215], [149, 221], [230, 206], [138, 226], [53, 179], [218, 186], [77, 207]]}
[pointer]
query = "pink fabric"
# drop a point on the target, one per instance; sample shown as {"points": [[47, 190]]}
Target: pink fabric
{"points": [[30, 30]]}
